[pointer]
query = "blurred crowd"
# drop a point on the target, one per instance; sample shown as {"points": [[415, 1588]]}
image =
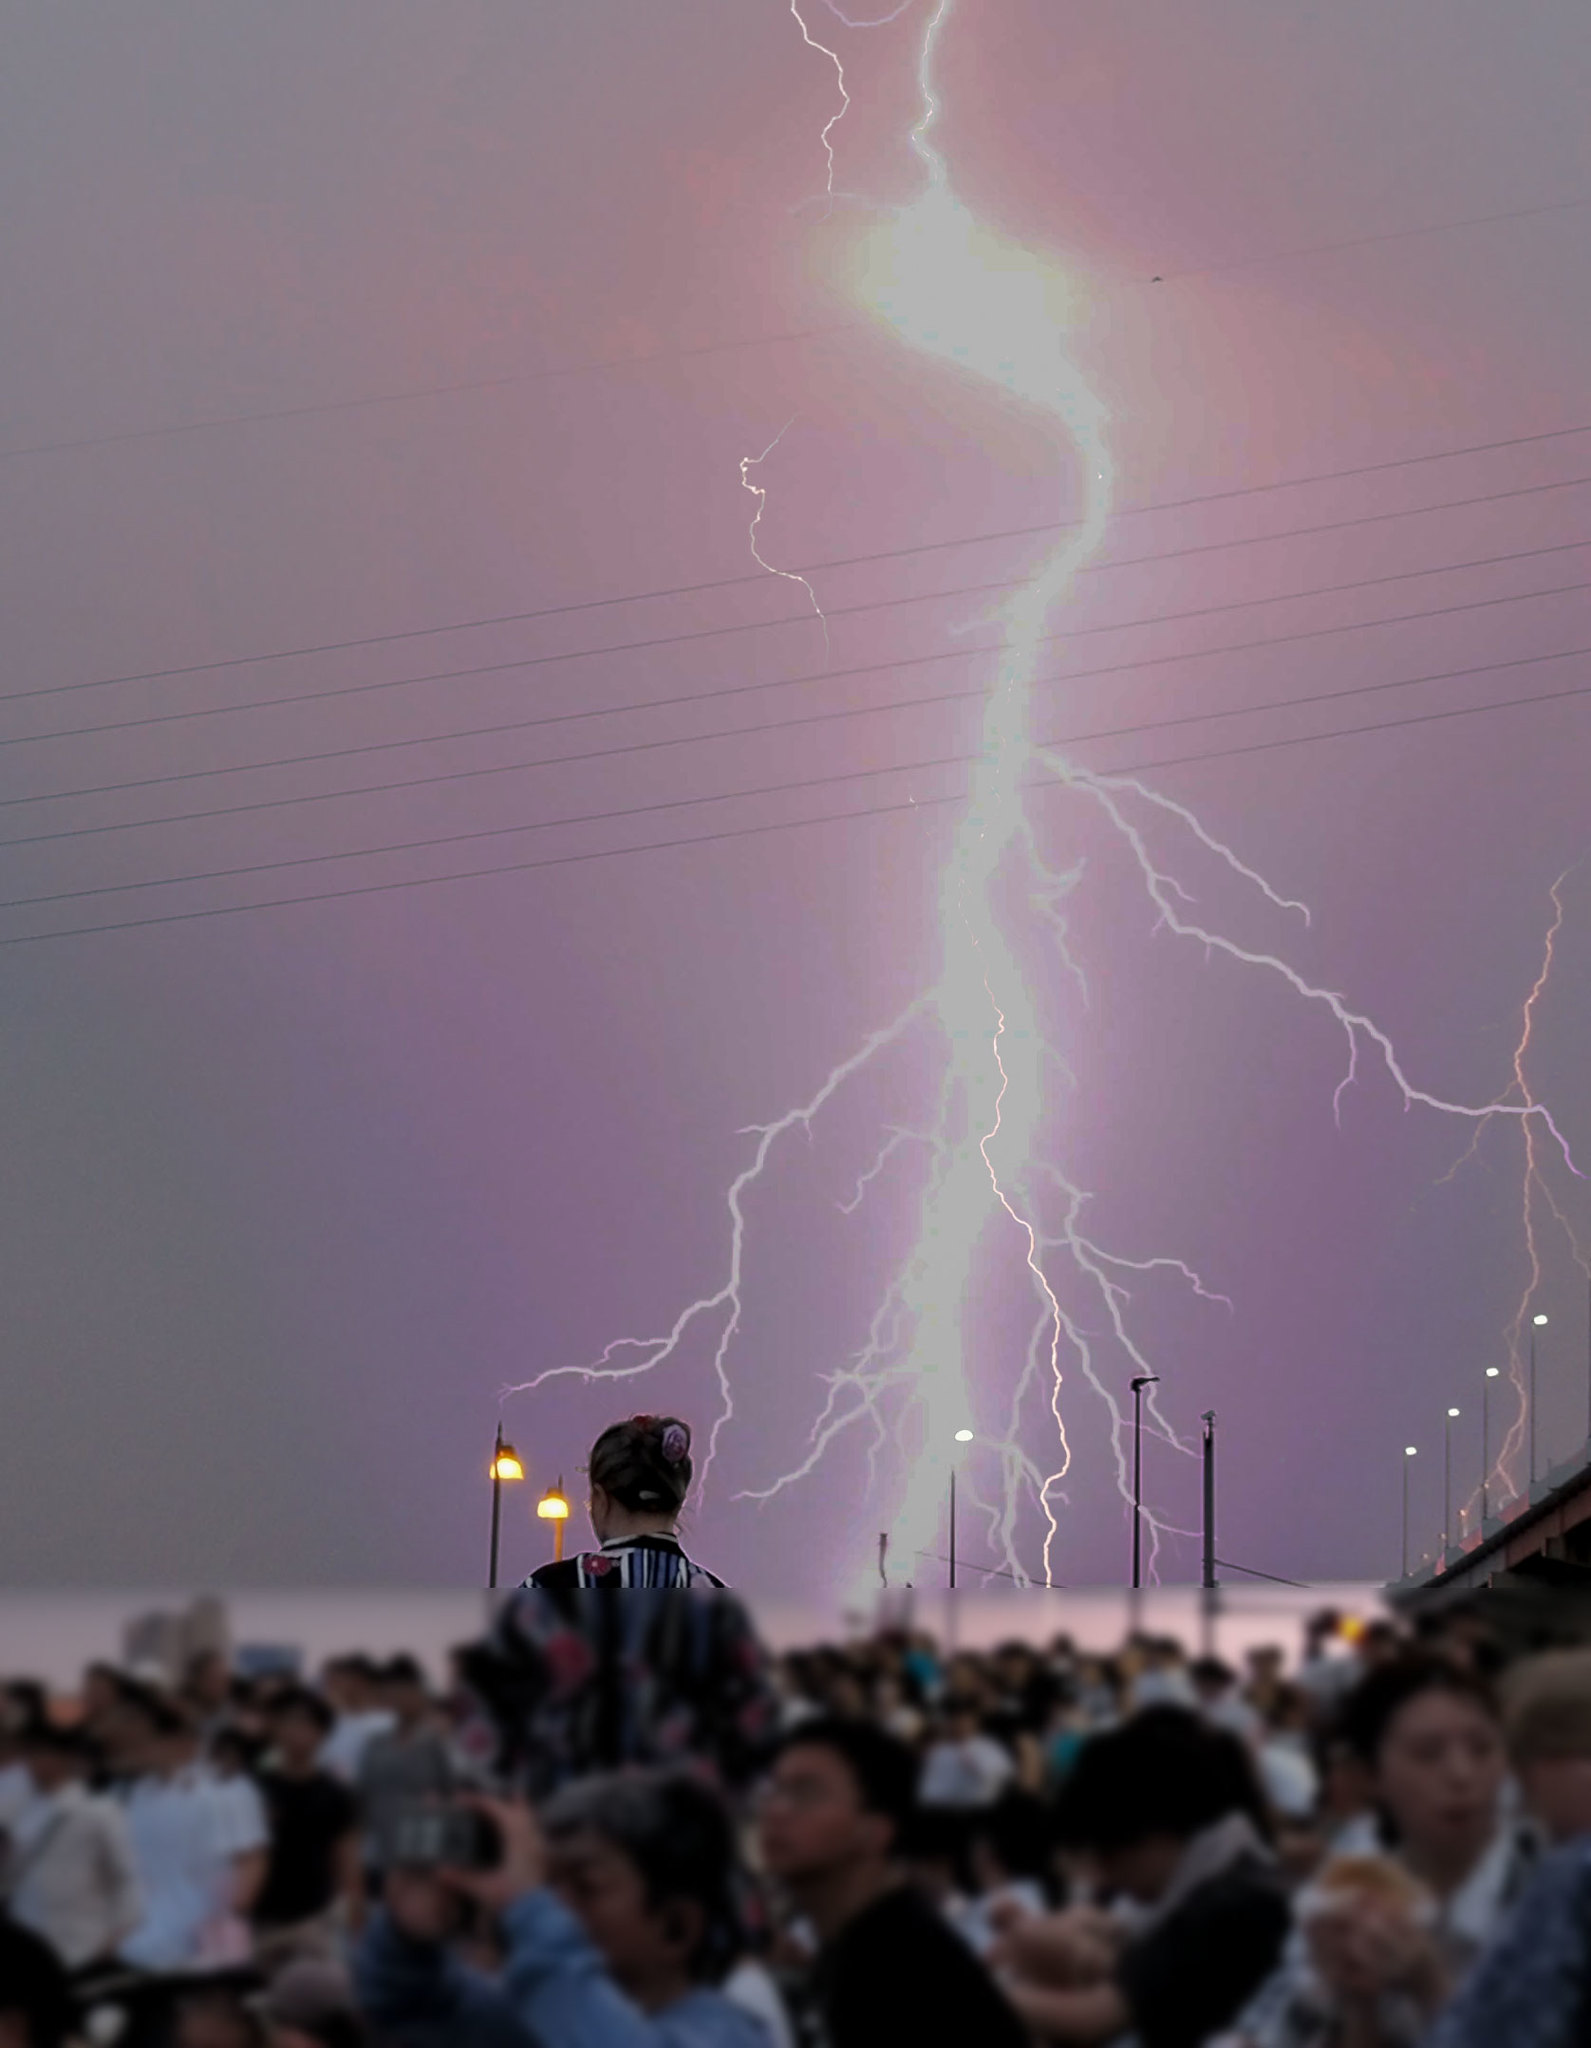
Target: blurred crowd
{"points": [[623, 1824]]}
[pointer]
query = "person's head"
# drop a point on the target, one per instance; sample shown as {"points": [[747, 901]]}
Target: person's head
{"points": [[310, 2004], [217, 2019], [646, 1862], [1138, 1794], [1547, 1718], [1009, 1840], [54, 1756], [232, 1752], [963, 1718], [207, 1682], [351, 1683], [640, 1473], [1429, 1736], [839, 1798], [299, 1722], [404, 1690], [144, 1729]]}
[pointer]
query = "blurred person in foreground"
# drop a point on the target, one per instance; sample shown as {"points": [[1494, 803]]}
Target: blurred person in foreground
{"points": [[617, 1918], [70, 1875], [1168, 1814], [1532, 1986], [36, 2005], [1383, 1937], [314, 1854], [833, 1819], [409, 1762]]}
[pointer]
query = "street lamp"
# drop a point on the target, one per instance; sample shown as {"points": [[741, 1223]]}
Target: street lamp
{"points": [[1536, 1323], [1447, 1481], [963, 1436], [1409, 1451], [1148, 1379], [1486, 1441], [554, 1507], [505, 1465]]}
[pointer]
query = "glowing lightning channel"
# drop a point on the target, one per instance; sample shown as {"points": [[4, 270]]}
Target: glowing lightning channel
{"points": [[954, 290]]}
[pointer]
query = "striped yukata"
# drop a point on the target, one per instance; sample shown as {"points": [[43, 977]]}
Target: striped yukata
{"points": [[625, 1561]]}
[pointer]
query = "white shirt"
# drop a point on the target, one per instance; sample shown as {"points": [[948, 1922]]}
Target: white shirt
{"points": [[72, 1874], [185, 1832], [344, 1748], [16, 1795], [970, 1773]]}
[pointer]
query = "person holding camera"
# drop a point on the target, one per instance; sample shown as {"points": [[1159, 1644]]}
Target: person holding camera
{"points": [[616, 1914]]}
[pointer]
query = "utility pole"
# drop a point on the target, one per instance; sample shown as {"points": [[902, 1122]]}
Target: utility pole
{"points": [[1207, 1577], [952, 1528], [1148, 1379]]}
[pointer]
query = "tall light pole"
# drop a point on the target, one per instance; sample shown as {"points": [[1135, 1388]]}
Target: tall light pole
{"points": [[1148, 1379], [505, 1465], [1536, 1323], [963, 1436], [1486, 1443], [1409, 1451], [1447, 1481]]}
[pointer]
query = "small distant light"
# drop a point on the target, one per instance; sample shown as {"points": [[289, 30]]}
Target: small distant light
{"points": [[1452, 1411], [1492, 1371], [1410, 1451], [506, 1464], [963, 1436], [1539, 1321], [552, 1507]]}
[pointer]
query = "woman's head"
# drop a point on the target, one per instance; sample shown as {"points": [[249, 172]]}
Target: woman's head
{"points": [[1139, 1793], [1429, 1736], [640, 1472], [646, 1861]]}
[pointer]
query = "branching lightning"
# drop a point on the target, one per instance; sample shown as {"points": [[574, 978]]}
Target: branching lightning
{"points": [[951, 289]]}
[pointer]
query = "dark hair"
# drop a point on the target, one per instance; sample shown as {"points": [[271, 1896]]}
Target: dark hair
{"points": [[678, 1834], [884, 1769], [645, 1463], [401, 1670], [33, 1983], [59, 1741], [160, 1712], [1017, 1830], [1382, 1694], [298, 1699], [1164, 1772]]}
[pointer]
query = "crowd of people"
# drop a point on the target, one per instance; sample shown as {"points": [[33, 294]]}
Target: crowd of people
{"points": [[622, 1823]]}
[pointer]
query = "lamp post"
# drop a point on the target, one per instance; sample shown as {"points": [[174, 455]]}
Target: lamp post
{"points": [[554, 1507], [963, 1436], [1486, 1443], [1536, 1323], [505, 1465], [1447, 1481], [1148, 1379], [1409, 1451]]}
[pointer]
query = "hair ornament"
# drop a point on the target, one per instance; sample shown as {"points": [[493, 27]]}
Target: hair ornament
{"points": [[676, 1443]]}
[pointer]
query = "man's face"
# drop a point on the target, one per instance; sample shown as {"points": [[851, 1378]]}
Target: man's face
{"points": [[298, 1736], [812, 1819], [607, 1894]]}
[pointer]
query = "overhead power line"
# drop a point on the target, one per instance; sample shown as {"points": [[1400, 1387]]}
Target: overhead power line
{"points": [[810, 782], [752, 831], [727, 733], [339, 691], [747, 578], [758, 831]]}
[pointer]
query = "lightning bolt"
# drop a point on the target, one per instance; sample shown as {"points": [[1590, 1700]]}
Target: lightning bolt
{"points": [[952, 289], [1536, 1193], [747, 464]]}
